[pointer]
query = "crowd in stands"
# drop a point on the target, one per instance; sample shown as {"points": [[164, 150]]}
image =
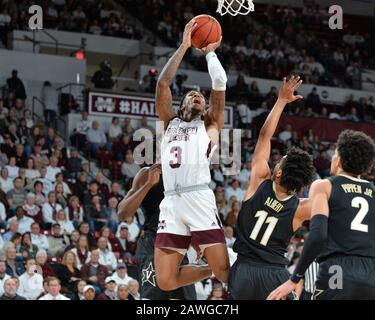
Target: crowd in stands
{"points": [[100, 17], [273, 40]]}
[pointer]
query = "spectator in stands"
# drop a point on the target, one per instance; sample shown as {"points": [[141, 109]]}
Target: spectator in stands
{"points": [[229, 238], [231, 217], [13, 266], [10, 290], [61, 196], [110, 290], [95, 273], [79, 290], [128, 127], [31, 210], [68, 272], [102, 78], [16, 241], [47, 184], [353, 115], [97, 139], [37, 238], [122, 292], [29, 119], [84, 228], [13, 228], [6, 183], [217, 292], [24, 223], [78, 138], [50, 209], [12, 168], [15, 85], [42, 266], [125, 245], [285, 135], [112, 242], [31, 282], [96, 214], [50, 99], [234, 190], [313, 100], [107, 257], [56, 241], [115, 130], [60, 180], [134, 290], [73, 240], [112, 215], [129, 169], [74, 211], [28, 249], [133, 227], [323, 165], [66, 225], [89, 292], [103, 186], [40, 197], [53, 169], [31, 172], [121, 275], [81, 251], [115, 192], [74, 163], [3, 276], [16, 196], [54, 287]]}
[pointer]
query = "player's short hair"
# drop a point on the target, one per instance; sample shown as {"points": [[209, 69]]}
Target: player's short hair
{"points": [[356, 150], [297, 170]]}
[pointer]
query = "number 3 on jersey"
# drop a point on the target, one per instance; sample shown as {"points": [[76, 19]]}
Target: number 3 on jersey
{"points": [[262, 218], [176, 151]]}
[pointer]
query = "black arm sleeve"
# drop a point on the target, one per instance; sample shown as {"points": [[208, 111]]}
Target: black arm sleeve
{"points": [[314, 244]]}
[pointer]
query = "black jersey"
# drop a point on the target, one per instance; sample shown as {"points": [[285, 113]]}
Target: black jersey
{"points": [[265, 225], [351, 222], [150, 206]]}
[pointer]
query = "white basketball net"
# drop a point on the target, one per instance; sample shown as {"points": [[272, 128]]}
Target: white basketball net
{"points": [[235, 7]]}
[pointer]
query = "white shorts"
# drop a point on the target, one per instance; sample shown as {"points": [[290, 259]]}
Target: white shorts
{"points": [[189, 218]]}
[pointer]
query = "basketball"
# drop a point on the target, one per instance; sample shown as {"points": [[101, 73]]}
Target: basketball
{"points": [[208, 30]]}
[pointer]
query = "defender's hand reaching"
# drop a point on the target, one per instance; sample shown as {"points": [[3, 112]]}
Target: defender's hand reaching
{"points": [[287, 89]]}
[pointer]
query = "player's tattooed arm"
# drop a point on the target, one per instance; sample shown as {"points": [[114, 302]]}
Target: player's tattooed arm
{"points": [[144, 180], [163, 91], [260, 168]]}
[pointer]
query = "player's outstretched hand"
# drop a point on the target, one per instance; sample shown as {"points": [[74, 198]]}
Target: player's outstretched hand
{"points": [[282, 292], [154, 174], [287, 89], [211, 47], [190, 26]]}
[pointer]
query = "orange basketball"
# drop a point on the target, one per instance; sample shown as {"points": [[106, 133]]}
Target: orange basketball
{"points": [[208, 30]]}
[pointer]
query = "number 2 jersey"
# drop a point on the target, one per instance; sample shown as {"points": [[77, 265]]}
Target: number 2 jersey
{"points": [[265, 226], [351, 222], [186, 151]]}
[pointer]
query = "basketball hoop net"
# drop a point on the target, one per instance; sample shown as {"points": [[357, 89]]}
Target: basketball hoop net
{"points": [[235, 7]]}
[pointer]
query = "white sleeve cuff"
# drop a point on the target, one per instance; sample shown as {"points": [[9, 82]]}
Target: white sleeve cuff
{"points": [[216, 71]]}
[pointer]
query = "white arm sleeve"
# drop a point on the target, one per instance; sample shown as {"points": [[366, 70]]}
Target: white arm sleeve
{"points": [[217, 72]]}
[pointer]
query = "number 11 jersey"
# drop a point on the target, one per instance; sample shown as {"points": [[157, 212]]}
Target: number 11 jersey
{"points": [[265, 226]]}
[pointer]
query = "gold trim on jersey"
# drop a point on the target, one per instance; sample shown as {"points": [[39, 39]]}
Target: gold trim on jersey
{"points": [[353, 178], [275, 192]]}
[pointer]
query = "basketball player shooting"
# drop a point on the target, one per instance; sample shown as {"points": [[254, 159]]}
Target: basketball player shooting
{"points": [[188, 212]]}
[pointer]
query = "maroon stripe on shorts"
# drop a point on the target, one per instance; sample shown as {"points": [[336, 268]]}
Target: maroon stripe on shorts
{"points": [[207, 236], [172, 241]]}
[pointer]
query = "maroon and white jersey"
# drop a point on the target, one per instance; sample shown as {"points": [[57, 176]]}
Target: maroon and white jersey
{"points": [[186, 151]]}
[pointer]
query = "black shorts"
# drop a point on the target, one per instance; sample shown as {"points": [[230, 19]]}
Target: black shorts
{"points": [[358, 278], [252, 281], [145, 262]]}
